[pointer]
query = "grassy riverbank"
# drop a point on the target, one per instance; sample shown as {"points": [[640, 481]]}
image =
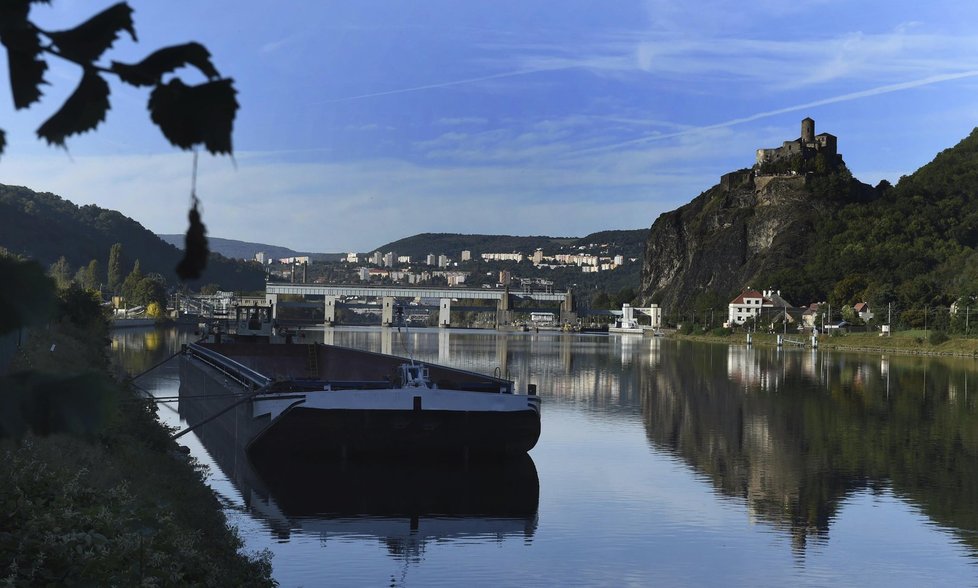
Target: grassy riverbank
{"points": [[109, 501], [911, 342]]}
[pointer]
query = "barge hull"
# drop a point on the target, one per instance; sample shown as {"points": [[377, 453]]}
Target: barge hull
{"points": [[417, 434]]}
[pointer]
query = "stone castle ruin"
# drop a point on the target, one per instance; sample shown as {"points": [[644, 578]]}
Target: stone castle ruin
{"points": [[806, 147]]}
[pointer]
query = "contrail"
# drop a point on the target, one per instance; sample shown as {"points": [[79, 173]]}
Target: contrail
{"points": [[445, 84], [835, 99]]}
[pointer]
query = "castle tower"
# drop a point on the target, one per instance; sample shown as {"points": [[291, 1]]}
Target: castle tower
{"points": [[807, 131]]}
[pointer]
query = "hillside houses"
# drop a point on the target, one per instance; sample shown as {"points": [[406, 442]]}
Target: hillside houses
{"points": [[752, 305]]}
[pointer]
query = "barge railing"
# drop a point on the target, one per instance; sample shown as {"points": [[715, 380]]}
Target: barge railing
{"points": [[238, 372]]}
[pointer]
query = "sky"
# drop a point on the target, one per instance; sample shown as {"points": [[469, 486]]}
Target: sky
{"points": [[366, 121]]}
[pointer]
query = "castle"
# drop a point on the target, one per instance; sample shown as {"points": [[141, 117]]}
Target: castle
{"points": [[807, 146]]}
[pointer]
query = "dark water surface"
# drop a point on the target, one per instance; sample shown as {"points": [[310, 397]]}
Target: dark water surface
{"points": [[661, 463]]}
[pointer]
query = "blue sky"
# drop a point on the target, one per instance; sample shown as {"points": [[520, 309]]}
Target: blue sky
{"points": [[363, 122]]}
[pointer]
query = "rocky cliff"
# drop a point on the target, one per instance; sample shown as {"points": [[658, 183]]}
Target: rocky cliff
{"points": [[742, 232]]}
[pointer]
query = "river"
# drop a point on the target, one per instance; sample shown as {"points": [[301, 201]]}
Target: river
{"points": [[661, 462]]}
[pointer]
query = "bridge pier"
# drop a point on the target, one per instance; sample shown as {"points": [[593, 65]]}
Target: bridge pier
{"points": [[567, 313], [445, 312], [387, 311], [329, 310], [272, 299], [504, 316]]}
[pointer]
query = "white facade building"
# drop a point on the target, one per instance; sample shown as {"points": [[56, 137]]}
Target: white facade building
{"points": [[745, 306]]}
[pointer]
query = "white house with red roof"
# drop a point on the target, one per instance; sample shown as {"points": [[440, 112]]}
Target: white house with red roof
{"points": [[751, 303], [862, 309], [745, 306]]}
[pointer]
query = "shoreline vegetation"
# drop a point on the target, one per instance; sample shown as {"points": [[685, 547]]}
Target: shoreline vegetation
{"points": [[94, 492], [914, 342]]}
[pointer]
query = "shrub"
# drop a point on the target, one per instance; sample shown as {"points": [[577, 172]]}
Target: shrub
{"points": [[938, 337], [722, 332]]}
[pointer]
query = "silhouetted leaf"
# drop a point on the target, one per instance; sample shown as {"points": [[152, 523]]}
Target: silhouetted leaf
{"points": [[149, 71], [195, 248], [3, 140], [82, 111], [191, 115], [86, 42], [26, 68]]}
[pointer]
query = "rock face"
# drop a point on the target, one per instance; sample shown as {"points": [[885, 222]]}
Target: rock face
{"points": [[737, 232]]}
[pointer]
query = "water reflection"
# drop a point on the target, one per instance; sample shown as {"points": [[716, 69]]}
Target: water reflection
{"points": [[404, 505], [794, 433], [808, 444]]}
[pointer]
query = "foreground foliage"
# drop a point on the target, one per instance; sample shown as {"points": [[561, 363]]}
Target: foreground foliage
{"points": [[104, 499]]}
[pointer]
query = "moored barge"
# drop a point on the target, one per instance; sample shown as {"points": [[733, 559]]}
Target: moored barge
{"points": [[326, 400]]}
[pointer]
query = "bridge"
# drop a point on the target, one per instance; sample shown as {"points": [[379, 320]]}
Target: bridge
{"points": [[333, 294]]}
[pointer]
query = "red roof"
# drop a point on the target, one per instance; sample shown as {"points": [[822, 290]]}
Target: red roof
{"points": [[747, 294]]}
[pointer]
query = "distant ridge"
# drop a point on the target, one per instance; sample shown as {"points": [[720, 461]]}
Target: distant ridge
{"points": [[630, 242], [44, 227], [234, 249]]}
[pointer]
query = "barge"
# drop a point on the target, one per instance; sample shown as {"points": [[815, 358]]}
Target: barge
{"points": [[326, 400]]}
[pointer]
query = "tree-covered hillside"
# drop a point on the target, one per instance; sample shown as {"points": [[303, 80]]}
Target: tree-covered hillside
{"points": [[46, 227], [914, 245], [627, 242]]}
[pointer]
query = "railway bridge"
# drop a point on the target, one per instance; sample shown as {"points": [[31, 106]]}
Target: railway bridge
{"points": [[334, 295]]}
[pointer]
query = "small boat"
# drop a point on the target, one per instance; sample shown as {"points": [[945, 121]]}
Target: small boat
{"points": [[326, 400]]}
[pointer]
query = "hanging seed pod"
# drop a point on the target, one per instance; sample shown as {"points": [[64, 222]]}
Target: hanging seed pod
{"points": [[195, 248]]}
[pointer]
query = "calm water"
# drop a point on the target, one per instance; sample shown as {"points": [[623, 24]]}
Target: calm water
{"points": [[661, 463]]}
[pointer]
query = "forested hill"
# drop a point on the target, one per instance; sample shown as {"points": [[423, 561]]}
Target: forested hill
{"points": [[628, 242], [45, 227], [912, 246]]}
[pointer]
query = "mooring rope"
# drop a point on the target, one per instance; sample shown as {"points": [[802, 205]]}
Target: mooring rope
{"points": [[143, 373], [246, 398]]}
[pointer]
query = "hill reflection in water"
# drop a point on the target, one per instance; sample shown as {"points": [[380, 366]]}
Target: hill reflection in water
{"points": [[795, 433]]}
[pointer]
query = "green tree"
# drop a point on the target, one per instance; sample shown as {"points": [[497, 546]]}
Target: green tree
{"points": [[115, 268], [847, 290], [29, 296], [81, 307], [601, 300], [849, 314], [92, 279], [130, 283], [60, 271]]}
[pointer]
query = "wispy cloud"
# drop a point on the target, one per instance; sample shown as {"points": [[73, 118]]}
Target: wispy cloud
{"points": [[768, 62], [445, 84], [794, 108], [462, 121]]}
